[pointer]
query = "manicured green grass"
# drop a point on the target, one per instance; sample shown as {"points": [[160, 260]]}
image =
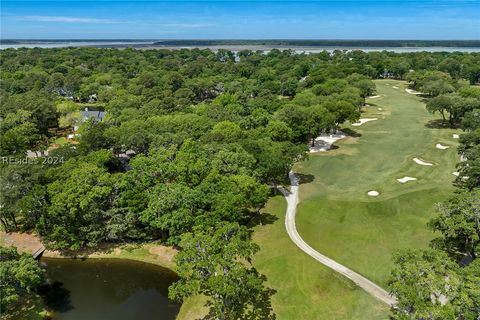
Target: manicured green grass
{"points": [[62, 141], [305, 288], [339, 219], [193, 308]]}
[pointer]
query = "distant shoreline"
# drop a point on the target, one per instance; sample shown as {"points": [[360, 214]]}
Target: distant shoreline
{"points": [[263, 42], [264, 45]]}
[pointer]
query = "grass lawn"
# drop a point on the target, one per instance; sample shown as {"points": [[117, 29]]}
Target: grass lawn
{"points": [[305, 288], [339, 219], [61, 141]]}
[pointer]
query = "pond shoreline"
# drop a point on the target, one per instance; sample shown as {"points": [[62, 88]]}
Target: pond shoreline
{"points": [[152, 253], [148, 252]]}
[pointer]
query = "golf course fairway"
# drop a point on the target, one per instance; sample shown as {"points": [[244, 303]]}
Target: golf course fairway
{"points": [[306, 289], [338, 218]]}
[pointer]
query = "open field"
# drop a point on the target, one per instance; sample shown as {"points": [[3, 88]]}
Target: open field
{"points": [[338, 218], [305, 288]]}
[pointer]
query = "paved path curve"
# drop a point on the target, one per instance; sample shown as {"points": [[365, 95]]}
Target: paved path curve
{"points": [[367, 285]]}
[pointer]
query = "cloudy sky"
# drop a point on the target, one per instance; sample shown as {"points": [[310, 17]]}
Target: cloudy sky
{"points": [[387, 19]]}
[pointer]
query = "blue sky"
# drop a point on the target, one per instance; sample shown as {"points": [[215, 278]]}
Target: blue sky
{"points": [[389, 19]]}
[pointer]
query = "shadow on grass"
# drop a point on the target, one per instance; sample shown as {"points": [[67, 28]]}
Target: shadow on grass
{"points": [[439, 124], [351, 133], [305, 178], [260, 305], [261, 219]]}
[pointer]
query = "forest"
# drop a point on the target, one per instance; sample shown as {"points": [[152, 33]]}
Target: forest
{"points": [[190, 146]]}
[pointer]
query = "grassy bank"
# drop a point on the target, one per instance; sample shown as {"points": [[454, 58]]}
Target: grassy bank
{"points": [[339, 219], [151, 252]]}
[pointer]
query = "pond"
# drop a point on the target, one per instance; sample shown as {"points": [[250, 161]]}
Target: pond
{"points": [[108, 289]]}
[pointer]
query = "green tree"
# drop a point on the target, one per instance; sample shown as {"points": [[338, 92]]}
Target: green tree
{"points": [[70, 116], [298, 120], [226, 131], [469, 302], [471, 120], [437, 87], [425, 284], [440, 104], [469, 168], [20, 276], [18, 133], [172, 210], [41, 108], [80, 197], [216, 262], [279, 131], [22, 196], [94, 136], [459, 223]]}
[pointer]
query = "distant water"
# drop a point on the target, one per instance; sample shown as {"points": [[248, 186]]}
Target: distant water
{"points": [[149, 45], [401, 49], [59, 44]]}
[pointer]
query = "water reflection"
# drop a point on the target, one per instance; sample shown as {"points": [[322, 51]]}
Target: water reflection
{"points": [[108, 289]]}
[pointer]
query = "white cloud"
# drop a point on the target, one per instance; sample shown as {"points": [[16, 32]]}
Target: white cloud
{"points": [[63, 19]]}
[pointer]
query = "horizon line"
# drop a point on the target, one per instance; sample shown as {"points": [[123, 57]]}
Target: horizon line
{"points": [[233, 39]]}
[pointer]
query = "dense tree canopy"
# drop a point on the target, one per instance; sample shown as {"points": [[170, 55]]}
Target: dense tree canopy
{"points": [[20, 274], [191, 142], [216, 263]]}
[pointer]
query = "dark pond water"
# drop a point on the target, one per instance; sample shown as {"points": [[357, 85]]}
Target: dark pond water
{"points": [[108, 289]]}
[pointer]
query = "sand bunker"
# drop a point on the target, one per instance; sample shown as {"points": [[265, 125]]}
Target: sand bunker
{"points": [[362, 121], [413, 91], [455, 136], [406, 179], [373, 193], [374, 97], [379, 109], [395, 87], [441, 146], [324, 142], [456, 174], [421, 162]]}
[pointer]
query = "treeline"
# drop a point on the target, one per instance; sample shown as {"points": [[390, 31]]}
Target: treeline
{"points": [[443, 282], [326, 43]]}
